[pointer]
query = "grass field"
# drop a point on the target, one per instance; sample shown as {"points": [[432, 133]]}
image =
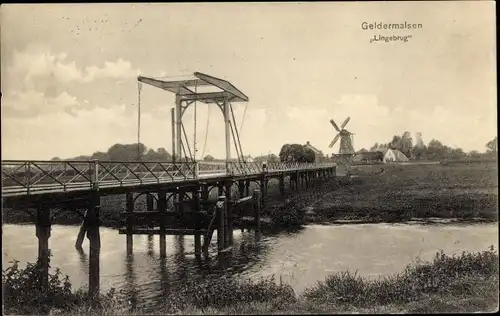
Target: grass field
{"points": [[402, 192]]}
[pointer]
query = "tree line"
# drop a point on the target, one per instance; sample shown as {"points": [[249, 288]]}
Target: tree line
{"points": [[434, 150], [127, 152]]}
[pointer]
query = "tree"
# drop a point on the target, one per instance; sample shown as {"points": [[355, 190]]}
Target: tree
{"points": [[296, 153], [208, 158], [406, 144], [474, 154], [492, 145], [128, 152], [271, 158], [99, 155], [163, 154], [419, 142], [378, 147], [419, 153], [435, 150]]}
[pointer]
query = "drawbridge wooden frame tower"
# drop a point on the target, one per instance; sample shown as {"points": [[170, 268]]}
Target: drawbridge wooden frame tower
{"points": [[222, 93]]}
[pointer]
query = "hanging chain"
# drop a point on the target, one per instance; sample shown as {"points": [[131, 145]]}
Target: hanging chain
{"points": [[139, 88], [194, 136], [206, 133]]}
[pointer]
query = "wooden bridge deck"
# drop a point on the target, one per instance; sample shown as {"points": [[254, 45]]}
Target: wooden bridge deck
{"points": [[31, 178]]}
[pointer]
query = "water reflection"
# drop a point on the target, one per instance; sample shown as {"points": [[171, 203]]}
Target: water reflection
{"points": [[84, 260], [131, 291], [299, 257]]}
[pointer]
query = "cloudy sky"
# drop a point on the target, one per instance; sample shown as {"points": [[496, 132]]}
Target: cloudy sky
{"points": [[69, 74]]}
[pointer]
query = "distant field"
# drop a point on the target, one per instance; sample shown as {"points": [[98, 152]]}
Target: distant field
{"points": [[404, 191]]}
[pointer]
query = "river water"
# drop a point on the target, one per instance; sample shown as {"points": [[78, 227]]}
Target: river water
{"points": [[300, 258]]}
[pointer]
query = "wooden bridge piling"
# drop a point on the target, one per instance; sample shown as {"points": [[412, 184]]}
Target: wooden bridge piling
{"points": [[228, 225], [81, 233], [43, 228], [150, 208], [162, 208], [220, 209], [94, 237], [257, 208], [282, 185], [247, 187], [262, 188], [241, 188], [220, 189], [129, 222], [197, 208]]}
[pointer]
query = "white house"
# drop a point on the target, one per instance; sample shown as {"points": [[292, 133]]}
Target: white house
{"points": [[393, 155]]}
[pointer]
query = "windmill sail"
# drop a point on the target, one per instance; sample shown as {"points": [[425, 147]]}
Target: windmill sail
{"points": [[345, 122], [334, 125], [334, 140]]}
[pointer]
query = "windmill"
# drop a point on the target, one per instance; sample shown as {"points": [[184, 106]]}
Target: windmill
{"points": [[346, 149]]}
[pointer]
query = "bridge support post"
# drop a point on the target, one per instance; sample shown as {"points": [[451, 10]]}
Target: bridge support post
{"points": [[220, 189], [95, 245], [247, 188], [204, 193], [296, 180], [228, 218], [180, 201], [221, 205], [204, 201], [81, 233], [43, 228], [197, 208], [162, 208], [180, 210], [130, 224], [241, 188], [282, 185], [150, 208], [263, 183], [257, 207]]}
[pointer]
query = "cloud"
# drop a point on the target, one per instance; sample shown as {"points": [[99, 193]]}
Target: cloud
{"points": [[32, 103], [120, 69], [65, 135], [33, 64]]}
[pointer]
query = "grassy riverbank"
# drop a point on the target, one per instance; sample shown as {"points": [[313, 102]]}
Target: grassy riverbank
{"points": [[464, 283], [401, 193]]}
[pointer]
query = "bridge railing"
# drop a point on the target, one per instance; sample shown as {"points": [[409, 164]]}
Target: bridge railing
{"points": [[32, 176], [26, 177]]}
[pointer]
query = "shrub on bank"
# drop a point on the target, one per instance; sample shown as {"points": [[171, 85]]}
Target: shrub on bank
{"points": [[23, 293], [444, 275], [223, 291], [468, 282]]}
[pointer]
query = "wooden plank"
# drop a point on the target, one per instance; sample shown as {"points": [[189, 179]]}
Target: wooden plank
{"points": [[228, 249], [170, 231], [242, 200]]}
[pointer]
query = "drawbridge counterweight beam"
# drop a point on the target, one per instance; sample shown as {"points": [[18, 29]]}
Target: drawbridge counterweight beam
{"points": [[186, 94]]}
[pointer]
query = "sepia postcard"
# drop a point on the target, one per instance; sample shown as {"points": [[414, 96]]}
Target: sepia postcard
{"points": [[249, 158]]}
